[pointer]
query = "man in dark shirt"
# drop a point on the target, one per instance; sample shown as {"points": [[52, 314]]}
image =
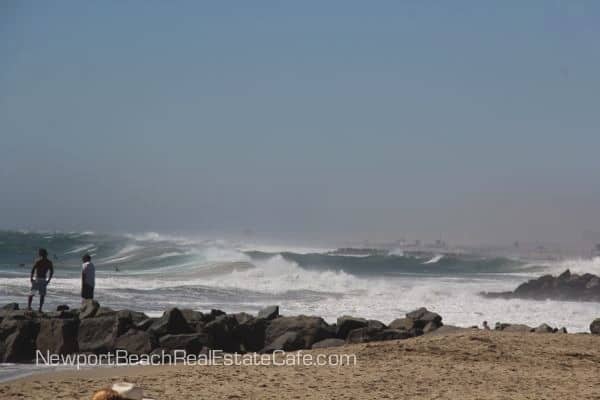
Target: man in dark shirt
{"points": [[39, 283]]}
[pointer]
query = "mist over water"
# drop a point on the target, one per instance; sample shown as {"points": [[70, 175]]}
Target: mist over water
{"points": [[151, 272]]}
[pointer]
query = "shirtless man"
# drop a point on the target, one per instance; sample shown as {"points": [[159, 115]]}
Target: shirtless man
{"points": [[39, 283]]}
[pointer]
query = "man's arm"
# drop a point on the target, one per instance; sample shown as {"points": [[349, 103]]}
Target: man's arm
{"points": [[33, 271], [51, 269]]}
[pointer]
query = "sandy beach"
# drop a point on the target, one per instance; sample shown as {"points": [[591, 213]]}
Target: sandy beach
{"points": [[467, 365]]}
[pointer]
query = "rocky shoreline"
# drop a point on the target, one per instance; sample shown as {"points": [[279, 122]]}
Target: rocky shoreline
{"points": [[94, 329], [566, 286]]}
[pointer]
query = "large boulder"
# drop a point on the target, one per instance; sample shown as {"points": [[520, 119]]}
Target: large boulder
{"points": [[405, 324], [423, 317], [328, 343], [270, 312], [250, 334], [310, 330], [242, 317], [214, 313], [595, 327], [22, 315], [105, 312], [58, 336], [17, 340], [345, 324], [222, 333], [373, 323], [418, 322], [172, 322], [126, 320], [289, 341], [193, 318], [11, 307], [136, 342], [89, 309], [192, 343], [63, 314], [97, 335]]}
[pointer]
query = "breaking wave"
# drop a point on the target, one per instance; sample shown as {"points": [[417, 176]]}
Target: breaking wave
{"points": [[150, 272]]}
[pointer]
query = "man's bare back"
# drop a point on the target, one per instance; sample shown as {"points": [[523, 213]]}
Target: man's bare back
{"points": [[39, 283], [41, 268]]}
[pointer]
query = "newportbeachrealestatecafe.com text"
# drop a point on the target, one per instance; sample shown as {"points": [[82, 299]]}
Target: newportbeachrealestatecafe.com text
{"points": [[122, 358]]}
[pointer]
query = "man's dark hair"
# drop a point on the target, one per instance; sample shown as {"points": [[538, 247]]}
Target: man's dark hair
{"points": [[86, 258], [43, 253]]}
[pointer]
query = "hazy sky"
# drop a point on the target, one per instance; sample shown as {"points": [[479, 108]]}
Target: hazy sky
{"points": [[464, 120]]}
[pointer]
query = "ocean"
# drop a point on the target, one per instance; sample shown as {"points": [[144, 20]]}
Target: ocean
{"points": [[152, 272]]}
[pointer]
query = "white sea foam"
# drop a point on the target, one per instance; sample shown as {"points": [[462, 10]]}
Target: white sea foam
{"points": [[81, 249], [215, 273], [435, 259]]}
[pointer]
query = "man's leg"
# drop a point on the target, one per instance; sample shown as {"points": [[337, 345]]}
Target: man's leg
{"points": [[29, 300], [41, 302]]}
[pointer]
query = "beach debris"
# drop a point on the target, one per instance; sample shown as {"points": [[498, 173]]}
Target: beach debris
{"points": [[129, 391]]}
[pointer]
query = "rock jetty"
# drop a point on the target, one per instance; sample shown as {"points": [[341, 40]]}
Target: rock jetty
{"points": [[94, 329]]}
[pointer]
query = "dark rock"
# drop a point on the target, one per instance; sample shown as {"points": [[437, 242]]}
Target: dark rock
{"points": [[289, 341], [422, 317], [310, 330], [251, 334], [172, 322], [135, 317], [328, 343], [62, 307], [505, 327], [193, 318], [105, 312], [64, 314], [242, 317], [392, 334], [544, 328], [566, 286], [11, 307], [145, 324], [270, 312], [449, 329], [222, 333], [17, 340], [500, 326], [374, 324], [192, 343], [97, 335], [214, 313], [345, 324], [136, 342], [364, 335], [402, 324], [88, 309], [124, 320], [431, 326], [58, 336], [595, 327], [22, 315]]}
